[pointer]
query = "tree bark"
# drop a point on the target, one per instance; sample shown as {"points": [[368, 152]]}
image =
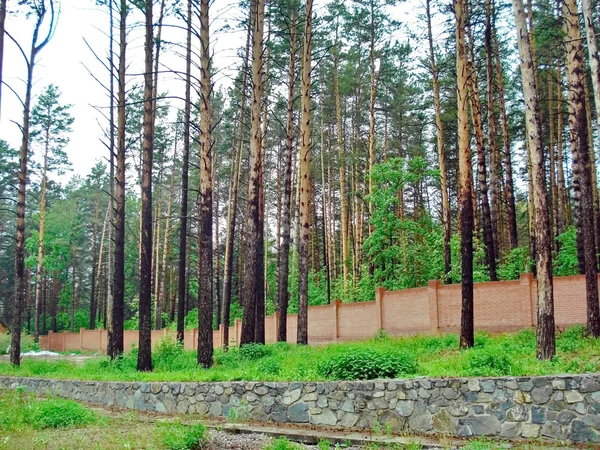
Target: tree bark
{"points": [[20, 281], [2, 22], [594, 55], [446, 225], [236, 152], [581, 158], [283, 256], [40, 255], [473, 90], [465, 179], [253, 230], [305, 183], [182, 262], [144, 363], [509, 192], [205, 201], [545, 327]]}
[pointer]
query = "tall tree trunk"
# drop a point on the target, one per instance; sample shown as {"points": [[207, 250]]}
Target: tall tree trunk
{"points": [[495, 168], [283, 256], [545, 327], [581, 155], [205, 201], [20, 281], [162, 280], [465, 179], [40, 255], [182, 266], [97, 306], [562, 193], [446, 225], [325, 232], [253, 229], [372, 97], [553, 188], [116, 310], [144, 363], [509, 193], [342, 168], [473, 90], [155, 271], [236, 152], [305, 183]]}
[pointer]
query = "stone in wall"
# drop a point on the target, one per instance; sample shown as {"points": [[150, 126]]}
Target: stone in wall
{"points": [[554, 407]]}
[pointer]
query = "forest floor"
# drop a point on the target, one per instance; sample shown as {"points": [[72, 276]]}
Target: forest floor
{"points": [[506, 354], [40, 423]]}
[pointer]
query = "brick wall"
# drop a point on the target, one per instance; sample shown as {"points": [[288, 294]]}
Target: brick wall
{"points": [[499, 306]]}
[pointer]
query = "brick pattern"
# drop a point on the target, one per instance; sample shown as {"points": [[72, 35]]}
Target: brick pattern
{"points": [[499, 306]]}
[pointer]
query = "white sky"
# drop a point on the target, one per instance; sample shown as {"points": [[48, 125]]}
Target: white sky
{"points": [[67, 62]]}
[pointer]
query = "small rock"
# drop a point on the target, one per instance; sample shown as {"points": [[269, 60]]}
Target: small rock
{"points": [[327, 417], [551, 430], [538, 415], [349, 420], [298, 413], [510, 429], [541, 395], [450, 394], [405, 408], [573, 397], [530, 431], [488, 386]]}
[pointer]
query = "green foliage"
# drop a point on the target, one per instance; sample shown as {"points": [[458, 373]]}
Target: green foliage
{"points": [[178, 436], [324, 444], [191, 319], [515, 263], [60, 413], [489, 363], [19, 410], [365, 364], [424, 355], [169, 354], [281, 443], [565, 262], [254, 351]]}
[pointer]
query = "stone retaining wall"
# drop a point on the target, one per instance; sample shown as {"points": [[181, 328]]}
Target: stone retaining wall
{"points": [[552, 407]]}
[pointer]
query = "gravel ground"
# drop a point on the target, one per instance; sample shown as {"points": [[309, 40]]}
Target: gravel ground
{"points": [[221, 440]]}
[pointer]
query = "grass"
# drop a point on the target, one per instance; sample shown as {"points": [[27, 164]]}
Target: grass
{"points": [[29, 422], [435, 356]]}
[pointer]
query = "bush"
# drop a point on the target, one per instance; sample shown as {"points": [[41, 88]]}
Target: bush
{"points": [[27, 343], [364, 364], [489, 362], [170, 355], [59, 413], [255, 351], [178, 436]]}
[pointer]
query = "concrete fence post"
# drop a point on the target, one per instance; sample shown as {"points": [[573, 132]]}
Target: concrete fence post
{"points": [[64, 341], [336, 319], [379, 293], [237, 326], [528, 300], [275, 325], [432, 293]]}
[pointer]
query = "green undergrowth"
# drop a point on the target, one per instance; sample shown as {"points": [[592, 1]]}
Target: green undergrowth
{"points": [[19, 411], [380, 357]]}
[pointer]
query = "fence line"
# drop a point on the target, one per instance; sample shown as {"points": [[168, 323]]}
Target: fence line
{"points": [[498, 306]]}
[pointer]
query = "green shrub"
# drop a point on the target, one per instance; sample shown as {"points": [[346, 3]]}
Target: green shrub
{"points": [[59, 413], [178, 436], [229, 359], [27, 343], [255, 351], [366, 364], [169, 354], [489, 362]]}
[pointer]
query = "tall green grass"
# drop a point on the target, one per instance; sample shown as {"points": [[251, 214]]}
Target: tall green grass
{"points": [[380, 357]]}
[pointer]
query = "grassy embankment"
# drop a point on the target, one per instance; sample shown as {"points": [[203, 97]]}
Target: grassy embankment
{"points": [[380, 357]]}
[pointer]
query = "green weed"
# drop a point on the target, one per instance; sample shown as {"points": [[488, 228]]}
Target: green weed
{"points": [[178, 436]]}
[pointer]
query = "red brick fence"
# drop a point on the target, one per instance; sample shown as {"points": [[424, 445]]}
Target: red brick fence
{"points": [[499, 306]]}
